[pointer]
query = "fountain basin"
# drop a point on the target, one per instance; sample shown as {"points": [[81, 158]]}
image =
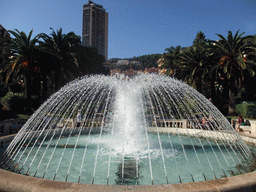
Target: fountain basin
{"points": [[180, 167], [10, 181], [125, 120]]}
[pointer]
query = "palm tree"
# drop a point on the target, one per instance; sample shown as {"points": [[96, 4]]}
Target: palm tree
{"points": [[22, 50], [199, 40], [232, 63], [60, 45], [170, 59], [45, 62], [204, 46], [194, 66]]}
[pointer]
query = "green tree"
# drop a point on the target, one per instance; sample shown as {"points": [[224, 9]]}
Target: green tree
{"points": [[170, 59], [194, 66], [147, 61], [46, 63], [23, 51], [199, 40], [193, 62], [90, 61], [232, 63], [60, 45]]}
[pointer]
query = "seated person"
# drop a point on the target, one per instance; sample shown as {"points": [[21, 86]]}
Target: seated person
{"points": [[239, 122], [204, 120], [78, 119], [205, 123]]}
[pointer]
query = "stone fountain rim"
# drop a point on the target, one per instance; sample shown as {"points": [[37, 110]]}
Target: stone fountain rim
{"points": [[10, 181]]}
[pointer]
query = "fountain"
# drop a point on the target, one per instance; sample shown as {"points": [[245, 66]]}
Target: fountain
{"points": [[147, 130]]}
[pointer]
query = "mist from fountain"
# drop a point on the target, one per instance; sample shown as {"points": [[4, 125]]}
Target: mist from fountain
{"points": [[143, 130]]}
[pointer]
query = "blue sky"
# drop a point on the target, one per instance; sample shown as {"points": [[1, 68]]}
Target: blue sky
{"points": [[136, 27]]}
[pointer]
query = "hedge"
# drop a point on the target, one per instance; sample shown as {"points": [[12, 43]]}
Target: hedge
{"points": [[246, 109]]}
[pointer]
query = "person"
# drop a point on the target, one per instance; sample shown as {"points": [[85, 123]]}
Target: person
{"points": [[239, 122], [205, 123], [78, 119], [211, 122], [204, 120], [211, 118]]}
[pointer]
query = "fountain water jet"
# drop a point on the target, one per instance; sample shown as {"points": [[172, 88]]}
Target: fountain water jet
{"points": [[145, 130]]}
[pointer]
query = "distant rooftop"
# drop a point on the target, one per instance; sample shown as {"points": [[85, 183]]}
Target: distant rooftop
{"points": [[97, 5]]}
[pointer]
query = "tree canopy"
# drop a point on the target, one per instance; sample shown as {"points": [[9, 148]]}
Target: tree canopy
{"points": [[47, 61], [220, 67]]}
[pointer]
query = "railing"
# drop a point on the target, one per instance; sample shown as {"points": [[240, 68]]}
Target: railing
{"points": [[161, 123], [168, 123], [173, 123], [182, 123], [69, 123], [10, 126]]}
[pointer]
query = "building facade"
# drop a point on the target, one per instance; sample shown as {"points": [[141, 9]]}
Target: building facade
{"points": [[95, 28]]}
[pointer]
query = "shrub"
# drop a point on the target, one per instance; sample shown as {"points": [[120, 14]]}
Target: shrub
{"points": [[6, 115], [246, 109], [3, 91], [14, 102]]}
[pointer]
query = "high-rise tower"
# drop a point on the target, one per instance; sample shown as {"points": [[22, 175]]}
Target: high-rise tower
{"points": [[95, 28]]}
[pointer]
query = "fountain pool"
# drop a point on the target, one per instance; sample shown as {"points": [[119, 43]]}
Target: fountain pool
{"points": [[136, 165], [141, 131]]}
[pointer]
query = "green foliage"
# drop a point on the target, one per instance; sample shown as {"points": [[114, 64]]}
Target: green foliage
{"points": [[170, 59], [246, 109], [89, 60], [146, 61], [228, 62], [245, 94], [233, 49], [60, 45], [23, 116], [3, 91], [14, 102]]}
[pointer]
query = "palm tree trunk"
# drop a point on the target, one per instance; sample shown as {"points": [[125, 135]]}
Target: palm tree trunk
{"points": [[44, 79], [57, 73], [28, 89], [212, 89], [199, 84], [232, 103], [56, 82], [232, 96]]}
